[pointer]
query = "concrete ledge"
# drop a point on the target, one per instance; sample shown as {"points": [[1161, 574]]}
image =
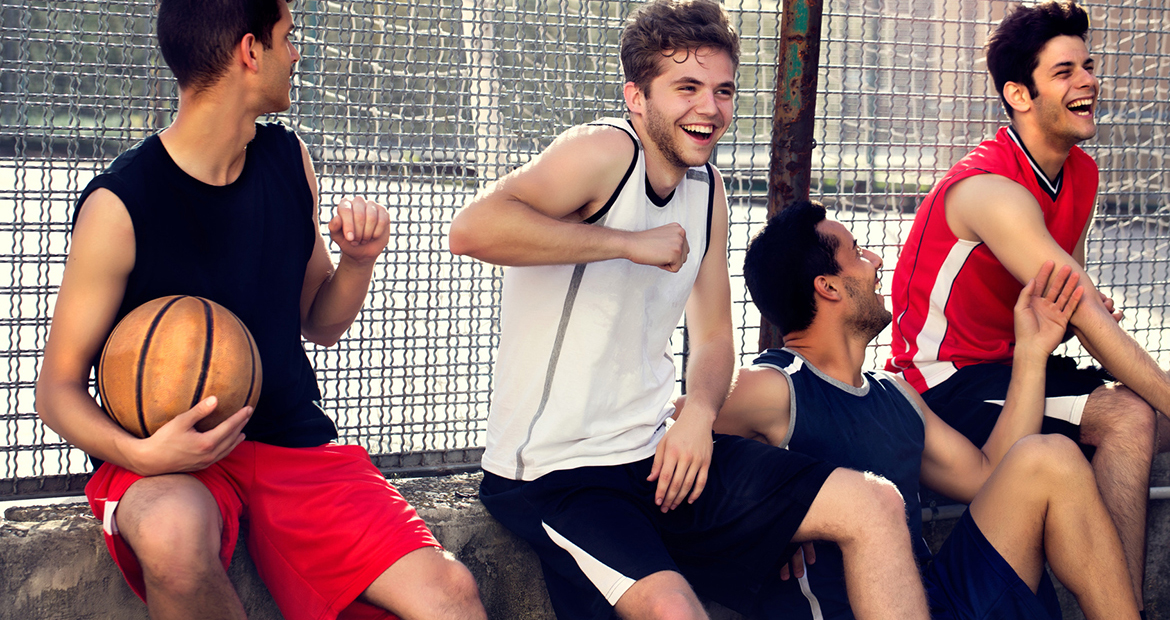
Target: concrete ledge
{"points": [[53, 563]]}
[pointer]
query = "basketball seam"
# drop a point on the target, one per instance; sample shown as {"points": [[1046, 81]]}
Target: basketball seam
{"points": [[251, 356], [142, 363], [207, 342]]}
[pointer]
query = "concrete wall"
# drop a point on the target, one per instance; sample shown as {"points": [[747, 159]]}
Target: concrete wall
{"points": [[53, 563]]}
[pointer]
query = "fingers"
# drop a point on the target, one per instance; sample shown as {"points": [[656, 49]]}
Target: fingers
{"points": [[359, 220], [1043, 275], [191, 417], [680, 484]]}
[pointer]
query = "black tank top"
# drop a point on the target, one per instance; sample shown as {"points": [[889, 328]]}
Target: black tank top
{"points": [[245, 246]]}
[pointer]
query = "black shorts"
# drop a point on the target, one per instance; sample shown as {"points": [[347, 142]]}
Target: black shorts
{"points": [[971, 399], [597, 530], [968, 578]]}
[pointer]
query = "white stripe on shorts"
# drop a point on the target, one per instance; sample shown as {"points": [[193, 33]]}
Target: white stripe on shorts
{"points": [[108, 523], [1067, 408], [608, 581]]}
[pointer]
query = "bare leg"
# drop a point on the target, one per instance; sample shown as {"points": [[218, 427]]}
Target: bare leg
{"points": [[1123, 427], [866, 517], [1042, 502], [665, 595], [427, 583], [174, 526]]}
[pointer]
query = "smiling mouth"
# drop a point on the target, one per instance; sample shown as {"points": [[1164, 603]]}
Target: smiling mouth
{"points": [[701, 132], [1082, 107]]}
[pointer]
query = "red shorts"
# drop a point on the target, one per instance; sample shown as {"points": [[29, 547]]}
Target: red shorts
{"points": [[323, 523]]}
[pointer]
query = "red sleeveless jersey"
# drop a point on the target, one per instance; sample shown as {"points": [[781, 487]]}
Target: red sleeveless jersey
{"points": [[952, 299]]}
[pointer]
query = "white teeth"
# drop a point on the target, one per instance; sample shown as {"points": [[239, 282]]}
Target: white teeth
{"points": [[703, 129]]}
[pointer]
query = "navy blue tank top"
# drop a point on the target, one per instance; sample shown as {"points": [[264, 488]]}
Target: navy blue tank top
{"points": [[246, 246], [874, 428]]}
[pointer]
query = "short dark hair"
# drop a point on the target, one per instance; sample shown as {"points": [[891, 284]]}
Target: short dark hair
{"points": [[197, 37], [663, 27], [1013, 51], [784, 259]]}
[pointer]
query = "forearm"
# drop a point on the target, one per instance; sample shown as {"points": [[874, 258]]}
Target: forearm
{"points": [[508, 232], [338, 301], [1023, 408], [70, 411], [709, 370], [1122, 356]]}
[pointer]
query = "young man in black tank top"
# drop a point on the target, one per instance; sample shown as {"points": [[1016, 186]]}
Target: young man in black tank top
{"points": [[1031, 496], [171, 503]]}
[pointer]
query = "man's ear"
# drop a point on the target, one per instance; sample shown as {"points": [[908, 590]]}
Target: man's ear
{"points": [[1017, 96], [635, 99], [248, 52], [828, 287]]}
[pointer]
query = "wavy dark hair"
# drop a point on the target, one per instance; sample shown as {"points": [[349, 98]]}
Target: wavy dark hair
{"points": [[663, 27], [197, 37], [1013, 51]]}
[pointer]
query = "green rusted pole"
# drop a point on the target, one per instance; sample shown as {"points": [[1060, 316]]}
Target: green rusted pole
{"points": [[793, 116]]}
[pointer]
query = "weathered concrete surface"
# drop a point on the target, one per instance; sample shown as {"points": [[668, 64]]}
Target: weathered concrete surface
{"points": [[53, 562]]}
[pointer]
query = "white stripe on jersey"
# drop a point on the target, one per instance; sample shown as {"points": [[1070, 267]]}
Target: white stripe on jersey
{"points": [[930, 338]]}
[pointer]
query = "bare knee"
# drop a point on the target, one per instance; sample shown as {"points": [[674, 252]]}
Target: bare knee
{"points": [[855, 506], [457, 584], [174, 528], [661, 596], [1048, 460], [1117, 417]]}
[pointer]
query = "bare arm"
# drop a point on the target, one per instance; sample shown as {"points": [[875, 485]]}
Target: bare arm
{"points": [[332, 297], [101, 256], [534, 215], [758, 406], [950, 463], [684, 453], [1002, 214]]}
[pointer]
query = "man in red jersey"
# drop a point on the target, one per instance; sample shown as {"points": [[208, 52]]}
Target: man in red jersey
{"points": [[1016, 201]]}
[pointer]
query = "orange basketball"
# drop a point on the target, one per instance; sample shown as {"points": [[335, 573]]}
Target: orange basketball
{"points": [[169, 354]]}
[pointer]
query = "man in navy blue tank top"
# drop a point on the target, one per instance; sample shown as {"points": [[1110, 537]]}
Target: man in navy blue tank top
{"points": [[1032, 497], [220, 206]]}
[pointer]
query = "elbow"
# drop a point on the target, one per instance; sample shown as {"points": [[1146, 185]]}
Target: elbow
{"points": [[462, 240], [321, 338]]}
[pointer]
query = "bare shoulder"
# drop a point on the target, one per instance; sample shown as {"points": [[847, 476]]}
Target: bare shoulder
{"points": [[576, 174], [103, 218], [979, 203], [758, 406]]}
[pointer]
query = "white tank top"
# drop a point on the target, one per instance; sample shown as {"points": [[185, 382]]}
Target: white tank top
{"points": [[584, 374]]}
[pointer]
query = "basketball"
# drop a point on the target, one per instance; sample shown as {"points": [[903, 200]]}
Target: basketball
{"points": [[172, 352]]}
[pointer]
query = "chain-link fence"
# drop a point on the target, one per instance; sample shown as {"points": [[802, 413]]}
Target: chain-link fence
{"points": [[418, 104]]}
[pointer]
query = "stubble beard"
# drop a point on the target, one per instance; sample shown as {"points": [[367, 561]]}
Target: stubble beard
{"points": [[661, 134], [870, 316]]}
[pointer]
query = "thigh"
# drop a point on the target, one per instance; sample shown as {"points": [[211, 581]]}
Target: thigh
{"points": [[592, 527], [741, 527], [968, 578], [323, 525], [207, 504]]}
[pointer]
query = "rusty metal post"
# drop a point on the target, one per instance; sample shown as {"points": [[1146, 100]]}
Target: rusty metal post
{"points": [[795, 109]]}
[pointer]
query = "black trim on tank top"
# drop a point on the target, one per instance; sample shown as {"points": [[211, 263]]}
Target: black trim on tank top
{"points": [[592, 219], [653, 197], [710, 204]]}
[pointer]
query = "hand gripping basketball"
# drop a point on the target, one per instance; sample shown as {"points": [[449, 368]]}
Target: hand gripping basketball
{"points": [[171, 353]]}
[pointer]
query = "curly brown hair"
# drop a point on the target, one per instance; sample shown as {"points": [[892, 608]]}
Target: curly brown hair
{"points": [[661, 28]]}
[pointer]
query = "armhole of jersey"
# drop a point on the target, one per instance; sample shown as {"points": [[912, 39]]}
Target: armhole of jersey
{"points": [[902, 389], [791, 403], [710, 205], [613, 197]]}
